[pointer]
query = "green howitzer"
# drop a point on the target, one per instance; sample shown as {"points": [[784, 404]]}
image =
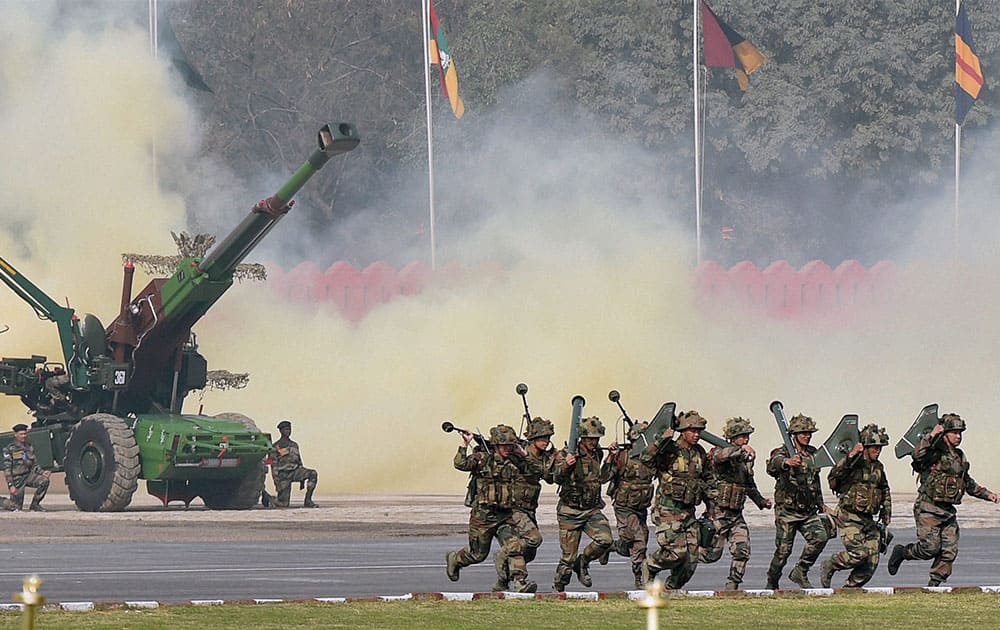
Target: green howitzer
{"points": [[574, 424], [112, 415]]}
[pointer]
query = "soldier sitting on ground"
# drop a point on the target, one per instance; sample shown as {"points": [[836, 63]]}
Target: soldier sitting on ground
{"points": [[21, 468], [287, 467]]}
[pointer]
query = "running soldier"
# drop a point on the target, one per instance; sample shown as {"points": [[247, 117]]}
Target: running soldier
{"points": [[527, 488], [631, 491], [21, 467], [799, 499], [944, 480], [494, 470], [732, 467], [685, 478], [287, 468], [580, 504], [859, 479]]}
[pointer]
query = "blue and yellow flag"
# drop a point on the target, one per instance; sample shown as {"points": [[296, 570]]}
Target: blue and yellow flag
{"points": [[968, 74]]}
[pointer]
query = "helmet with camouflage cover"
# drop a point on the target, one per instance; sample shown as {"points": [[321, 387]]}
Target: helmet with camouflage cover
{"points": [[691, 420], [952, 422], [802, 424], [590, 427], [502, 434], [539, 427], [873, 435], [737, 426], [637, 430]]}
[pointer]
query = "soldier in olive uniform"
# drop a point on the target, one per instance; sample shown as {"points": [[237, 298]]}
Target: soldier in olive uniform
{"points": [[944, 480], [580, 504], [494, 470], [527, 488], [22, 470], [631, 491], [685, 478], [799, 500], [288, 468], [733, 471], [859, 479]]}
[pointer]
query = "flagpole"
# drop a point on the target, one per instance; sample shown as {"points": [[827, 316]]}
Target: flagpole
{"points": [[958, 157], [425, 9], [697, 134]]}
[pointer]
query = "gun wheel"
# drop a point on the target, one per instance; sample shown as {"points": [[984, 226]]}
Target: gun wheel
{"points": [[235, 494], [102, 464]]}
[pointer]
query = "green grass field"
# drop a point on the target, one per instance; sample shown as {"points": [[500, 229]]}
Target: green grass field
{"points": [[937, 611]]}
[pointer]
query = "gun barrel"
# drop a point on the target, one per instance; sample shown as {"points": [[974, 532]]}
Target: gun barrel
{"points": [[334, 139]]}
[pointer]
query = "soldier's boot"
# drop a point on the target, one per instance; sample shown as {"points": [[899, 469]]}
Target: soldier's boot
{"points": [[308, 501], [500, 586], [637, 573], [604, 556], [732, 586], [524, 585], [800, 577], [896, 559], [826, 571], [648, 572], [16, 503], [561, 579], [580, 567], [36, 506], [934, 582], [452, 568], [267, 500]]}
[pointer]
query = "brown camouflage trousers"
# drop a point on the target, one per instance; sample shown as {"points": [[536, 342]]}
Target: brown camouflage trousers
{"points": [[937, 538], [677, 537], [786, 523], [633, 534], [283, 480], [860, 536], [522, 524], [731, 527], [485, 524], [573, 523]]}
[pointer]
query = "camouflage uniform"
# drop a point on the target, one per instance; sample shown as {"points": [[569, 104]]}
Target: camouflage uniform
{"points": [[684, 479], [734, 484], [288, 468], [864, 493], [579, 509], [527, 489], [21, 467], [494, 507], [944, 480], [798, 499], [631, 492]]}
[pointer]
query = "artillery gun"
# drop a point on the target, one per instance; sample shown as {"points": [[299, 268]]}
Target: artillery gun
{"points": [[110, 414]]}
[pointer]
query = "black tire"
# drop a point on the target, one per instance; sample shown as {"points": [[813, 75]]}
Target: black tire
{"points": [[235, 494], [102, 464]]}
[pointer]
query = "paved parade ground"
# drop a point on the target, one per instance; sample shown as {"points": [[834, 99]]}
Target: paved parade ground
{"points": [[355, 546]]}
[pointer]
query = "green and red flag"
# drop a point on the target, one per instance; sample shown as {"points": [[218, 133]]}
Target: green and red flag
{"points": [[725, 48], [441, 57], [968, 74]]}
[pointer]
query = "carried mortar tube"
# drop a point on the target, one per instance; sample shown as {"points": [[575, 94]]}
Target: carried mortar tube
{"points": [[574, 424], [480, 439], [779, 415], [334, 139], [521, 390]]}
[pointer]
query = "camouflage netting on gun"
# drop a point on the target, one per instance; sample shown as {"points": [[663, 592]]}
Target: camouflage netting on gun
{"points": [[224, 379], [189, 245]]}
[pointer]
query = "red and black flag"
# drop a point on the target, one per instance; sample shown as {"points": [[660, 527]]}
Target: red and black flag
{"points": [[968, 74], [725, 48]]}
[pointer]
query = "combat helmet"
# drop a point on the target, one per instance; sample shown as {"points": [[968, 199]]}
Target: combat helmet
{"points": [[802, 424], [590, 427], [637, 430], [873, 435], [501, 435], [691, 420], [952, 422], [539, 427], [737, 426]]}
